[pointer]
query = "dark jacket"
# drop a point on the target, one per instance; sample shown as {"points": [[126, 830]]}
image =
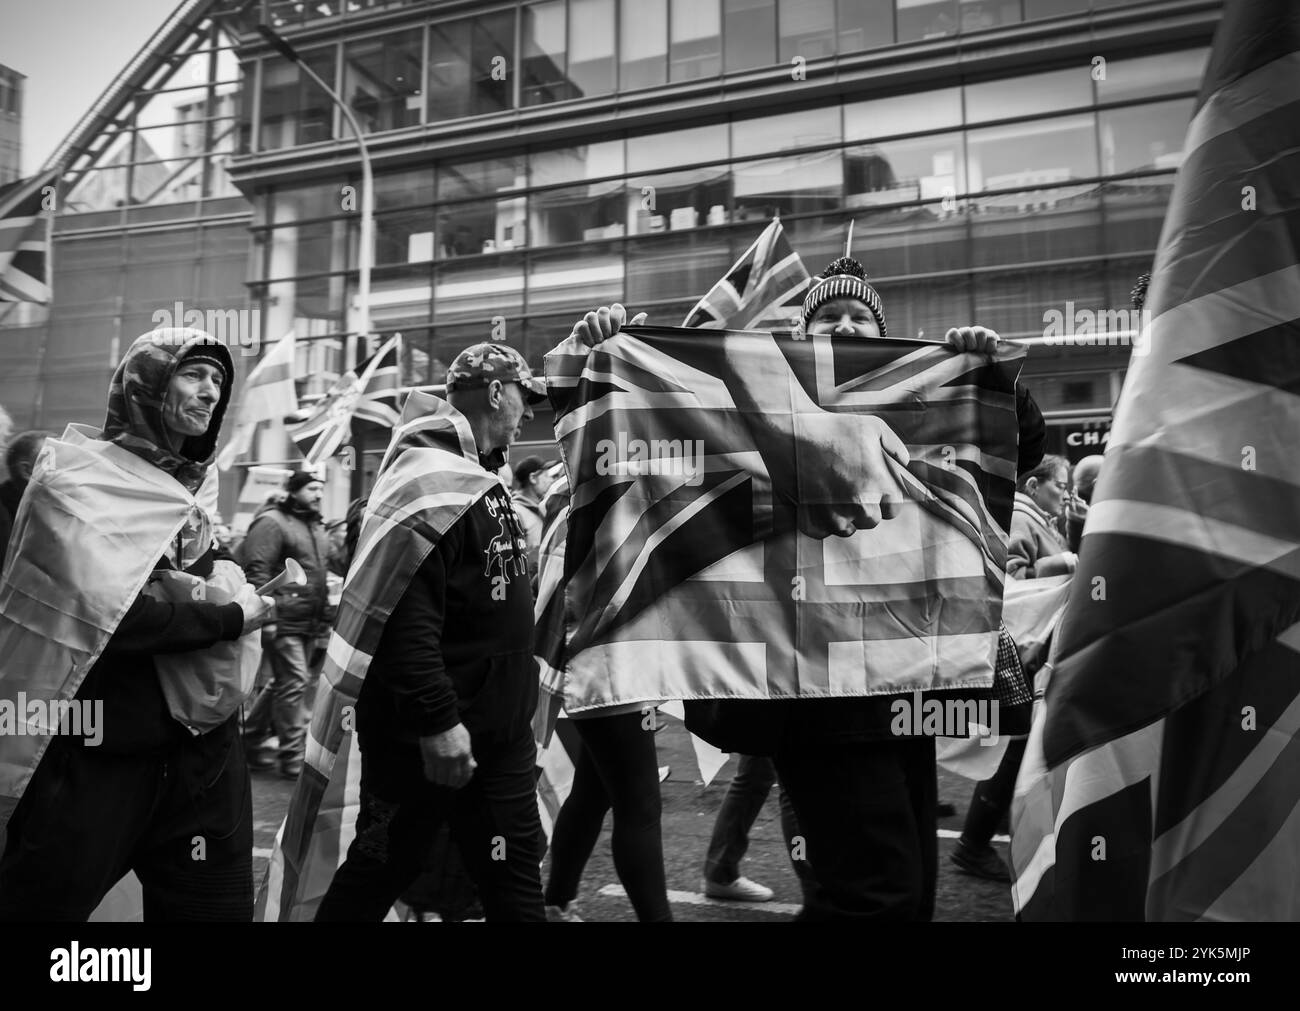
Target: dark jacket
{"points": [[10, 495], [458, 646], [281, 533]]}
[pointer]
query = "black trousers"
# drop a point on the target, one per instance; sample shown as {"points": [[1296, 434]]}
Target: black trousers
{"points": [[494, 822], [181, 820], [866, 810]]}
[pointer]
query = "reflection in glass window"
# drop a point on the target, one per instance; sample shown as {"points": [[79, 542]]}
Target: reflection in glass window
{"points": [[1148, 76], [590, 276], [302, 203], [793, 131], [677, 147], [1135, 213], [382, 80], [678, 201], [403, 189], [749, 28], [910, 113], [926, 19], [696, 41], [294, 108], [1025, 96], [1036, 226], [910, 240], [674, 267], [643, 38], [1036, 153], [468, 66], [484, 289], [1141, 137], [923, 168], [570, 164], [818, 240], [404, 237], [807, 183], [865, 24], [480, 178], [807, 29], [484, 227], [577, 214], [591, 47], [543, 40], [977, 15], [925, 310], [1014, 304]]}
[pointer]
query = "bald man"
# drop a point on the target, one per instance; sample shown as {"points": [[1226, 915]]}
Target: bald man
{"points": [[1086, 472]]}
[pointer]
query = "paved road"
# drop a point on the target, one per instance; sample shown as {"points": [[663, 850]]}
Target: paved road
{"points": [[689, 811]]}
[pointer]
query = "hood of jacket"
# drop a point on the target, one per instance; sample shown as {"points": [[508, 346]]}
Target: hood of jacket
{"points": [[135, 401], [429, 422]]}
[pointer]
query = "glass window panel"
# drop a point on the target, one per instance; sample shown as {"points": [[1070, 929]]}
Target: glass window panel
{"points": [[807, 29], [279, 104], [485, 227], [1036, 153], [543, 39], [794, 131], [403, 189], [469, 62], [1135, 213], [865, 24], [591, 47], [1025, 96], [678, 201], [382, 80], [696, 40], [291, 13], [923, 168], [541, 334], [315, 107], [684, 267], [926, 19], [569, 164], [812, 182], [1149, 76], [1052, 8], [576, 280], [167, 182], [481, 290], [399, 297], [1036, 226], [480, 178], [301, 203], [404, 237], [910, 113], [319, 246], [926, 309], [978, 15], [677, 147], [643, 48], [577, 214], [910, 240], [1142, 137], [749, 28]]}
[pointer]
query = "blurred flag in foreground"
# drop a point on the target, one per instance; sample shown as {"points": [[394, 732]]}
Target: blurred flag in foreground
{"points": [[1162, 778], [268, 395]]}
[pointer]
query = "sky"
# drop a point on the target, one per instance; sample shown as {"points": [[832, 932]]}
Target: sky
{"points": [[70, 51]]}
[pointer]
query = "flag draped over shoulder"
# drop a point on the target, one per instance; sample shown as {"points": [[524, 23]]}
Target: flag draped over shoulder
{"points": [[688, 455], [24, 243], [763, 290], [269, 395], [430, 477], [1161, 780], [368, 393], [93, 522]]}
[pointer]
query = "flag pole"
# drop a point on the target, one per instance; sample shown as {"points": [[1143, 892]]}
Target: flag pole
{"points": [[848, 243]]}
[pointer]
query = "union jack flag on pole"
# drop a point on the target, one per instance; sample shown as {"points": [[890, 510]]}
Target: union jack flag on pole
{"points": [[368, 393], [24, 240], [763, 290], [1161, 779]]}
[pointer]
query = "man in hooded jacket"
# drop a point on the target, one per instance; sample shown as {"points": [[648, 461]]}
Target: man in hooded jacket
{"points": [[107, 517]]}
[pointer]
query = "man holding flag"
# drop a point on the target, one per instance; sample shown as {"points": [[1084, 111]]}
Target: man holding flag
{"points": [[1160, 780]]}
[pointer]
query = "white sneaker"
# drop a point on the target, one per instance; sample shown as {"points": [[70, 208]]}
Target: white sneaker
{"points": [[740, 890], [664, 771]]}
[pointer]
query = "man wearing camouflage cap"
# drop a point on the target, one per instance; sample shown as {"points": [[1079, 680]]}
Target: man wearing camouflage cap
{"points": [[444, 712]]}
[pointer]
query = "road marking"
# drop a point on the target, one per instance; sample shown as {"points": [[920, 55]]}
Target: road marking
{"points": [[948, 833], [700, 899]]}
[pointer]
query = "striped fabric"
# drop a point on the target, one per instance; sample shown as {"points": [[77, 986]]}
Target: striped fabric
{"points": [[690, 582], [762, 291], [269, 395], [1168, 741], [369, 393], [24, 243], [429, 478]]}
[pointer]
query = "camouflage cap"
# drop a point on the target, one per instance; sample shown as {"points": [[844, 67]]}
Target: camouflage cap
{"points": [[478, 365]]}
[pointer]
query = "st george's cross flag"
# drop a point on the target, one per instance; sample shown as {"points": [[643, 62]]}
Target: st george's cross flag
{"points": [[1162, 777], [24, 239], [763, 290], [370, 392], [269, 394], [691, 457]]}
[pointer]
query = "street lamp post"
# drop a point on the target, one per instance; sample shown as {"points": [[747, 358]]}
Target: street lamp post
{"points": [[367, 252]]}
